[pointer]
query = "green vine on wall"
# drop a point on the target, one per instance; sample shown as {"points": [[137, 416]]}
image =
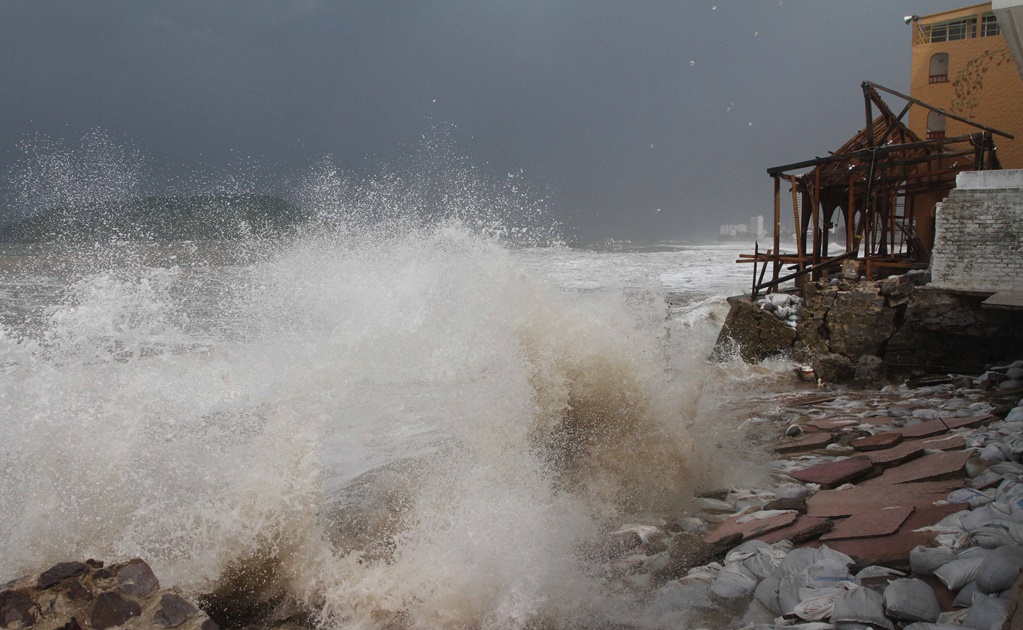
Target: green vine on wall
{"points": [[970, 80]]}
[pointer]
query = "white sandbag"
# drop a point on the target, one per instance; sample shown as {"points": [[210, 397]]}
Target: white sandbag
{"points": [[997, 511], [734, 582], [911, 600], [861, 605], [998, 534], [816, 608], [920, 625], [1000, 568], [788, 591], [1015, 415], [987, 613], [984, 479], [791, 491], [827, 573], [745, 550], [964, 598], [957, 573], [1007, 468], [767, 594], [924, 560], [827, 553], [706, 573], [755, 614], [763, 563], [798, 560], [992, 453], [875, 571]]}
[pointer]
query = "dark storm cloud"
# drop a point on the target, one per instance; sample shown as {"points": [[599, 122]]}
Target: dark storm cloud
{"points": [[622, 108]]}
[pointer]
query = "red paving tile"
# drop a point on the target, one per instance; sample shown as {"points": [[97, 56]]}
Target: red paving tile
{"points": [[967, 421], [751, 528], [944, 442], [805, 528], [803, 443], [893, 551], [832, 424], [924, 429], [876, 442], [922, 469], [835, 473], [877, 420], [871, 523], [897, 454], [831, 503]]}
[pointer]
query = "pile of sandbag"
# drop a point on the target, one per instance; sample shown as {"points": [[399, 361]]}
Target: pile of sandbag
{"points": [[786, 307]]}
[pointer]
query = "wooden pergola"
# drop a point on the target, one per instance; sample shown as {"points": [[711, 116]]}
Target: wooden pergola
{"points": [[883, 184]]}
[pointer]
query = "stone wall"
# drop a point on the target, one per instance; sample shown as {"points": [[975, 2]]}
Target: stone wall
{"points": [[909, 326], [978, 244]]}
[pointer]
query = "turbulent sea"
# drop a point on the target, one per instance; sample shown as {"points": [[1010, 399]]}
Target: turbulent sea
{"points": [[402, 424]]}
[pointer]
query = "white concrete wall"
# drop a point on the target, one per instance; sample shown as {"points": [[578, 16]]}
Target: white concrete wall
{"points": [[978, 240]]}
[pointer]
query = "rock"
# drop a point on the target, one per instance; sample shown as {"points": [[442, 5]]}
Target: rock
{"points": [[59, 572], [754, 332], [833, 368], [871, 372], [135, 578], [17, 608], [113, 609], [174, 611], [71, 595], [797, 504]]}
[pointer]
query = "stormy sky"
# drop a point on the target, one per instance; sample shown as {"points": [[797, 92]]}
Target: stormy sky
{"points": [[641, 119]]}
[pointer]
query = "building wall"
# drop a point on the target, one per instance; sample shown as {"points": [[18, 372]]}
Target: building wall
{"points": [[981, 67], [979, 234]]}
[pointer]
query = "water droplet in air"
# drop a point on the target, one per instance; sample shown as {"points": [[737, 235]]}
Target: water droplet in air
{"points": [[749, 124], [692, 63], [713, 7], [755, 33]]}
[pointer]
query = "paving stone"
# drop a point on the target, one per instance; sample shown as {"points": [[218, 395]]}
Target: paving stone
{"points": [[944, 442], [805, 442], [966, 421], [833, 424], [835, 473], [751, 528], [832, 503], [877, 421], [805, 528], [787, 503], [893, 551], [871, 523], [924, 429], [924, 468], [897, 454], [877, 442]]}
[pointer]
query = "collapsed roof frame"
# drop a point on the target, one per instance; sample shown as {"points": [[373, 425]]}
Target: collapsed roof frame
{"points": [[884, 180]]}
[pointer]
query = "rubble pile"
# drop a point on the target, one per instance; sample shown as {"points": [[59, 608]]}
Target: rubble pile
{"points": [[899, 508], [787, 308]]}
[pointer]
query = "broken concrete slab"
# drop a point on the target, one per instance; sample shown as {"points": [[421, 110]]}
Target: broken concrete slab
{"points": [[834, 503], [897, 454], [893, 550], [835, 473], [877, 442], [870, 523], [805, 442], [749, 527], [924, 429], [833, 424], [928, 467], [966, 421], [805, 528], [944, 442]]}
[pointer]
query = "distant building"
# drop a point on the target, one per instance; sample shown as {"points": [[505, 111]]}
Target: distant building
{"points": [[739, 231], [963, 64], [756, 227]]}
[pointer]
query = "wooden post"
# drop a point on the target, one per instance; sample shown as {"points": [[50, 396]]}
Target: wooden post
{"points": [[850, 216], [816, 224], [797, 221], [777, 222]]}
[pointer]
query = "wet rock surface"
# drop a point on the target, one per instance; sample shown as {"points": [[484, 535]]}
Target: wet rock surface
{"points": [[86, 595]]}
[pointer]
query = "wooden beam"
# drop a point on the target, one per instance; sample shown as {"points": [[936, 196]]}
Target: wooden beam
{"points": [[914, 101], [866, 153]]}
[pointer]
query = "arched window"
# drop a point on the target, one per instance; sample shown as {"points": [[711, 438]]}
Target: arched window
{"points": [[939, 68], [935, 125]]}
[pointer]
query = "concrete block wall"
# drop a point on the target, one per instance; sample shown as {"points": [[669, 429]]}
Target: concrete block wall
{"points": [[978, 239]]}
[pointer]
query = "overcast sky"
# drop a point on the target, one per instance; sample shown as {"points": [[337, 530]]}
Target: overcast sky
{"points": [[617, 107]]}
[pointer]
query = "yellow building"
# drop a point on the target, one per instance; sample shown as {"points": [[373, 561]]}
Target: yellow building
{"points": [[962, 64]]}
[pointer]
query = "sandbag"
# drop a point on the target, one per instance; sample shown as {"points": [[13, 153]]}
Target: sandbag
{"points": [[745, 550], [1000, 568], [734, 582], [964, 598], [957, 573], [767, 594], [924, 560], [827, 573], [911, 600], [861, 605], [998, 534], [920, 625], [797, 560], [788, 591], [987, 613], [816, 608]]}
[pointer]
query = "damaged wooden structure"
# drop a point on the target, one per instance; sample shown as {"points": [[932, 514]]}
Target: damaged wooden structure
{"points": [[882, 184]]}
